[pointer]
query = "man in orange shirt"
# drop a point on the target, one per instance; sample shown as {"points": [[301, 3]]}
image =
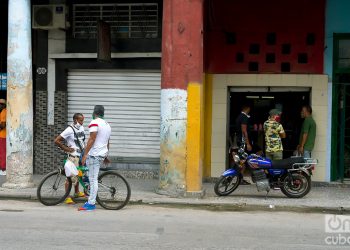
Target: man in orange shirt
{"points": [[2, 137]]}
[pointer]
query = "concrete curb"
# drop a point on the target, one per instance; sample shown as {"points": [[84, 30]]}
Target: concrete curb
{"points": [[241, 207], [185, 203]]}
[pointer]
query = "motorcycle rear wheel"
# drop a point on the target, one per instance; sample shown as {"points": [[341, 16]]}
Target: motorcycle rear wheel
{"points": [[296, 185], [227, 184]]}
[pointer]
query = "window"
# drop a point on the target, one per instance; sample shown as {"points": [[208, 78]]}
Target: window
{"points": [[271, 38], [254, 48], [302, 58], [344, 54], [286, 48], [230, 38], [133, 20], [310, 39], [253, 66], [270, 58], [239, 57], [285, 67]]}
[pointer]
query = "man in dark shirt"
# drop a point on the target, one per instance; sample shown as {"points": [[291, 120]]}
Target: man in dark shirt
{"points": [[242, 128], [242, 133]]}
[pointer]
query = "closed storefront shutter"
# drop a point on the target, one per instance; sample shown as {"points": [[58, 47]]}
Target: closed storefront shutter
{"points": [[132, 107]]}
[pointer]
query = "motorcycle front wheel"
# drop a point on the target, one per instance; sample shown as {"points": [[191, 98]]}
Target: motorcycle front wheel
{"points": [[296, 185], [227, 184]]}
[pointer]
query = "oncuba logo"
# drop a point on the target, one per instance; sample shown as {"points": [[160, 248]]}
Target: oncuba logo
{"points": [[337, 224]]}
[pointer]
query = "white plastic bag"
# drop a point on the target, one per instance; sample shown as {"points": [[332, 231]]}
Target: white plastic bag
{"points": [[70, 169]]}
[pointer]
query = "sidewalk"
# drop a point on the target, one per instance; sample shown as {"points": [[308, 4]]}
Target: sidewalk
{"points": [[324, 199]]}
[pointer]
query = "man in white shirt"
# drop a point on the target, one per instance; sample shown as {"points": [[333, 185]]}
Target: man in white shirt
{"points": [[96, 153], [75, 142]]}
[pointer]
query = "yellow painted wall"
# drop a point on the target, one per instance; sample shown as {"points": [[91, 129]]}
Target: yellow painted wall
{"points": [[208, 93], [319, 103], [195, 137]]}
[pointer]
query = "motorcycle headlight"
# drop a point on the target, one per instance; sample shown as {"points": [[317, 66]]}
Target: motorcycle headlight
{"points": [[236, 159]]}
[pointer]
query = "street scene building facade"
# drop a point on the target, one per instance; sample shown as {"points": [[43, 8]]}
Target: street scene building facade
{"points": [[174, 78]]}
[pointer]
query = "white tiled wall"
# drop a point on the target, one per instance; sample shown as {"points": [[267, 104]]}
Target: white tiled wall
{"points": [[319, 103]]}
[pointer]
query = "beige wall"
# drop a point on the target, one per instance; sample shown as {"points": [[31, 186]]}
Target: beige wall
{"points": [[319, 103]]}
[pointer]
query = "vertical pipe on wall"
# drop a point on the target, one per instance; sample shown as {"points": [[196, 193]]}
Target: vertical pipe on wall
{"points": [[19, 127]]}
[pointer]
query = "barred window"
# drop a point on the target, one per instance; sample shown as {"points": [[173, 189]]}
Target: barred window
{"points": [[133, 20]]}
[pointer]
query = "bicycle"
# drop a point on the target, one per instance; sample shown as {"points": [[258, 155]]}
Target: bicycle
{"points": [[113, 189]]}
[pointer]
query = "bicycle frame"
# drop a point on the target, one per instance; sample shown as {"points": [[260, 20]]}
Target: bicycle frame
{"points": [[82, 170]]}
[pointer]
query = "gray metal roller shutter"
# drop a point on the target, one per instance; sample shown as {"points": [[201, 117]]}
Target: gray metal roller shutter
{"points": [[132, 107]]}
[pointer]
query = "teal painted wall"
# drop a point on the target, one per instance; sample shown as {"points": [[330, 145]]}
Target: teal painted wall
{"points": [[337, 21]]}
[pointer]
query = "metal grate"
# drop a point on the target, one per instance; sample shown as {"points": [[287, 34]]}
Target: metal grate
{"points": [[134, 20]]}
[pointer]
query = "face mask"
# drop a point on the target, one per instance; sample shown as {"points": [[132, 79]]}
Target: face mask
{"points": [[277, 118], [77, 125]]}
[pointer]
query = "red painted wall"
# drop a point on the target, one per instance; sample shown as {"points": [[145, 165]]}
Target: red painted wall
{"points": [[182, 43], [250, 21]]}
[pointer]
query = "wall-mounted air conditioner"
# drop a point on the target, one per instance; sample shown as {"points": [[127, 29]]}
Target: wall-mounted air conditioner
{"points": [[48, 17]]}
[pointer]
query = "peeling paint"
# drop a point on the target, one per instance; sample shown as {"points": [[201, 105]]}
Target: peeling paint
{"points": [[173, 141], [19, 124], [19, 103]]}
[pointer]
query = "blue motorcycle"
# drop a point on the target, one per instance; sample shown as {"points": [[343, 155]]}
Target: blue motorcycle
{"points": [[292, 175]]}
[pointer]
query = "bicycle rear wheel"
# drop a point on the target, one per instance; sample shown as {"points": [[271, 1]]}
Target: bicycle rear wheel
{"points": [[113, 190], [51, 190]]}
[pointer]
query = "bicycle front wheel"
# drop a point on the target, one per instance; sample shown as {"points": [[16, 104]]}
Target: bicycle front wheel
{"points": [[113, 190], [51, 190]]}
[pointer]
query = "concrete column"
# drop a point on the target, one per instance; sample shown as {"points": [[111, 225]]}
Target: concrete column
{"points": [[181, 98], [19, 124]]}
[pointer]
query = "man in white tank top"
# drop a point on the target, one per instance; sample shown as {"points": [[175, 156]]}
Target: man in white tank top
{"points": [[96, 153]]}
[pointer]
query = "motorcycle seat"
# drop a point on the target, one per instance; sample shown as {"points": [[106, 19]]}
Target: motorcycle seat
{"points": [[287, 163]]}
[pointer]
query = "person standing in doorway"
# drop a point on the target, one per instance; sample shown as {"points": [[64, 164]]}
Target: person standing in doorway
{"points": [[96, 153], [2, 137], [243, 135], [242, 128], [273, 133], [307, 133]]}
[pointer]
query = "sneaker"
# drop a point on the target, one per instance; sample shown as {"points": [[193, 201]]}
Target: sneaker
{"points": [[69, 201], [87, 207], [79, 195], [2, 172]]}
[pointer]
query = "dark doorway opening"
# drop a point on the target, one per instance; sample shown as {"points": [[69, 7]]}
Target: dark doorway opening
{"points": [[289, 102]]}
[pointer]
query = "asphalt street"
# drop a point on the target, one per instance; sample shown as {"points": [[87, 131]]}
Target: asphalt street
{"points": [[30, 225]]}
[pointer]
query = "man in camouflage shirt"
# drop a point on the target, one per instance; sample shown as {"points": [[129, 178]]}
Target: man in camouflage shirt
{"points": [[273, 134]]}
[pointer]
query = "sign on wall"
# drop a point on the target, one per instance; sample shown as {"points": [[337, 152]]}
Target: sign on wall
{"points": [[3, 81]]}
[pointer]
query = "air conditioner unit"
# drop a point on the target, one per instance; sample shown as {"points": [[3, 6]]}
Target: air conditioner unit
{"points": [[48, 17]]}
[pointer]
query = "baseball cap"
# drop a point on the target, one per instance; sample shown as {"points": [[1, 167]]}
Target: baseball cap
{"points": [[275, 112]]}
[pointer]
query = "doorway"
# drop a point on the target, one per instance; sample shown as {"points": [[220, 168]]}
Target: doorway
{"points": [[261, 101], [341, 109]]}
